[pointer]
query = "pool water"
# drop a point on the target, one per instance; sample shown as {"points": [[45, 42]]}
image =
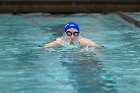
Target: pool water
{"points": [[25, 67]]}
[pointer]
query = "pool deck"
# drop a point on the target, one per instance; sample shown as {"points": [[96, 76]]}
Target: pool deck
{"points": [[69, 6]]}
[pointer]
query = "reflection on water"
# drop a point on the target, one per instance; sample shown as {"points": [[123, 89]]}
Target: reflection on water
{"points": [[85, 69]]}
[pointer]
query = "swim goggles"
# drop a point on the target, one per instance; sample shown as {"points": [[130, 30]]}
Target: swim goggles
{"points": [[69, 33]]}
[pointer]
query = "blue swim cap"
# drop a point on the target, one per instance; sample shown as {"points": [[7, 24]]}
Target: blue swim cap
{"points": [[72, 25]]}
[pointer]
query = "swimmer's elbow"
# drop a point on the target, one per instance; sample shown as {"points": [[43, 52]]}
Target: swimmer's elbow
{"points": [[45, 46], [98, 46], [49, 45]]}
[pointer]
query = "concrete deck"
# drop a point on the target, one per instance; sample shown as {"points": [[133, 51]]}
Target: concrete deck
{"points": [[68, 6]]}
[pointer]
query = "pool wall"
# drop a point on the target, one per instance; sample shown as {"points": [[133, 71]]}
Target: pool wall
{"points": [[68, 6]]}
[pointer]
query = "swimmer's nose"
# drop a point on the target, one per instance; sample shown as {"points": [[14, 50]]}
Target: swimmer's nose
{"points": [[72, 36]]}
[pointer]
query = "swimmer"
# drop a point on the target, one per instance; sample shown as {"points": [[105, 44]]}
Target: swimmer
{"points": [[71, 36]]}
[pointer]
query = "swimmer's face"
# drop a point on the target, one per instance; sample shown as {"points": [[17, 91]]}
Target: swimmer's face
{"points": [[72, 33]]}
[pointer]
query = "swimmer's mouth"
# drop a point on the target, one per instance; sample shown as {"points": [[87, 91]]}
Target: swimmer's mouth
{"points": [[72, 42]]}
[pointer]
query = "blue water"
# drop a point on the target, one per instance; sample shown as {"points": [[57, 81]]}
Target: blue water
{"points": [[27, 68]]}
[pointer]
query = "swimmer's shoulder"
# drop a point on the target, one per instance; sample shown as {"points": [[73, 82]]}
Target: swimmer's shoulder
{"points": [[86, 41], [83, 39]]}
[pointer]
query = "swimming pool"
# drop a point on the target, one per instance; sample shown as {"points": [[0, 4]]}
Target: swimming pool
{"points": [[25, 68]]}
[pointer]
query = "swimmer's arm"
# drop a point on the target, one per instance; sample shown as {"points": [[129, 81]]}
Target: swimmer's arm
{"points": [[53, 43], [89, 42]]}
